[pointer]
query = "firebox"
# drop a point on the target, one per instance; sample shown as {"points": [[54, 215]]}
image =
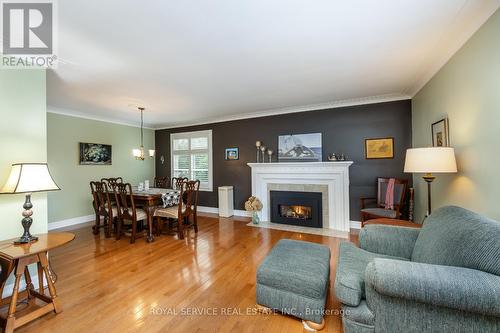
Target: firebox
{"points": [[297, 208]]}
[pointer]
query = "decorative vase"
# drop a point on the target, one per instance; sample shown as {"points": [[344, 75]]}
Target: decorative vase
{"points": [[255, 218]]}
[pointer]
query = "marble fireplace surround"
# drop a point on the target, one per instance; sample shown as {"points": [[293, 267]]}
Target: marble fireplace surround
{"points": [[329, 177]]}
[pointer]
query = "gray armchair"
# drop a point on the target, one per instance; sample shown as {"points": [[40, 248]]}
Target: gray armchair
{"points": [[444, 277]]}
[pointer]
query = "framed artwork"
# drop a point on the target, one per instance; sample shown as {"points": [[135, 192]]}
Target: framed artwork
{"points": [[95, 154], [232, 154], [440, 133], [379, 148], [300, 148]]}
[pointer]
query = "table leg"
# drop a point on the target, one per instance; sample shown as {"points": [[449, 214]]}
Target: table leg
{"points": [[20, 265], [41, 289], [29, 283], [52, 290]]}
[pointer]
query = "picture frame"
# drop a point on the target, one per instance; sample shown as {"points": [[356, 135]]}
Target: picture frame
{"points": [[95, 154], [379, 148], [440, 133], [232, 154], [300, 147]]}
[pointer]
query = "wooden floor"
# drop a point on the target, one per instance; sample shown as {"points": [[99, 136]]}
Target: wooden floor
{"points": [[106, 285]]}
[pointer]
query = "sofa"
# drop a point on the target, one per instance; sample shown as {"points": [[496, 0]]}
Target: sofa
{"points": [[444, 277]]}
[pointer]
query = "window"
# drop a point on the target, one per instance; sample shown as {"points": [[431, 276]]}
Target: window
{"points": [[191, 156]]}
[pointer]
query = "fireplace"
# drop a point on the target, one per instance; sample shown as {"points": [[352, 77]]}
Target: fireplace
{"points": [[297, 208]]}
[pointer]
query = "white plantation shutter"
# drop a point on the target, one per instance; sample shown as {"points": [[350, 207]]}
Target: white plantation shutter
{"points": [[191, 156]]}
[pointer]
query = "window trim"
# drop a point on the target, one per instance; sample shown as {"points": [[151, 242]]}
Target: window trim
{"points": [[189, 135]]}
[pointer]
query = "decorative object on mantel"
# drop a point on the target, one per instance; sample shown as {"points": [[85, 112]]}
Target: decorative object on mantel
{"points": [[263, 151], [428, 161], [258, 144], [162, 159], [270, 154], [232, 154], [300, 148], [95, 154], [379, 148], [254, 205], [337, 157], [28, 178], [440, 133], [139, 153]]}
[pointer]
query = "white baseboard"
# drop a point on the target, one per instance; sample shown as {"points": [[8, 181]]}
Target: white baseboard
{"points": [[70, 222], [355, 225], [215, 210]]}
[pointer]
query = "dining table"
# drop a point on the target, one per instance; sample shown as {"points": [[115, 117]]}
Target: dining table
{"points": [[149, 200]]}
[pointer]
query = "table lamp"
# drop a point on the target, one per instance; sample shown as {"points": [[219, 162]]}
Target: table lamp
{"points": [[430, 161], [28, 178]]}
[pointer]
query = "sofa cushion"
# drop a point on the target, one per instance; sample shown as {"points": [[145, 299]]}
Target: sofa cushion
{"points": [[454, 236], [298, 267], [350, 276]]}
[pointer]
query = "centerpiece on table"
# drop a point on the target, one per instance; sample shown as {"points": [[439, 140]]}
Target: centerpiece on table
{"points": [[254, 205]]}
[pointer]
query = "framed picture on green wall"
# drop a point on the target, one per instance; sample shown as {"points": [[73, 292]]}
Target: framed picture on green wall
{"points": [[95, 154]]}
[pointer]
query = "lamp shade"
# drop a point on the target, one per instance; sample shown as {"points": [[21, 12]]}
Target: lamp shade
{"points": [[29, 177], [431, 160]]}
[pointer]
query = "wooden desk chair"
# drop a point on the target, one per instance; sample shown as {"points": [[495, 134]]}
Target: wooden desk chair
{"points": [[127, 212], [162, 182], [101, 202], [182, 212], [379, 211], [177, 182]]}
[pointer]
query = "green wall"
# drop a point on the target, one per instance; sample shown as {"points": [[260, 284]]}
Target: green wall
{"points": [[467, 91], [63, 135], [22, 139]]}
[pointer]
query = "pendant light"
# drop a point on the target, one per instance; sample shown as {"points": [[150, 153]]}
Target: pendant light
{"points": [[139, 153]]}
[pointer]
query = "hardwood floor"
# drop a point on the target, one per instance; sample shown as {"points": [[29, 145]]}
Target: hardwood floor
{"points": [[106, 285]]}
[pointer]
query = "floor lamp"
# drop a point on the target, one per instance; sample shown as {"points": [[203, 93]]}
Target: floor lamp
{"points": [[430, 161]]}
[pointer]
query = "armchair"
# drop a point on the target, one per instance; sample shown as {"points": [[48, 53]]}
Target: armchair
{"points": [[444, 277], [379, 210]]}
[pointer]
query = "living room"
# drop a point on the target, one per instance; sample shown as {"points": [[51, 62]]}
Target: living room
{"points": [[254, 166]]}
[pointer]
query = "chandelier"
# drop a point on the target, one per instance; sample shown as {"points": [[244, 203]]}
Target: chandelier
{"points": [[139, 153]]}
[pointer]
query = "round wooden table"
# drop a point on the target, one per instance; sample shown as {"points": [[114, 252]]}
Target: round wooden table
{"points": [[395, 222]]}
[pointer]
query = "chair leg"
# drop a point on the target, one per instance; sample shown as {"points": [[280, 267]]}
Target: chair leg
{"points": [[195, 222], [134, 230], [118, 228], [107, 227], [180, 228], [97, 224]]}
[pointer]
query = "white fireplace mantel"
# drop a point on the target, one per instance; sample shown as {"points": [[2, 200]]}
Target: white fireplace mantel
{"points": [[335, 175]]}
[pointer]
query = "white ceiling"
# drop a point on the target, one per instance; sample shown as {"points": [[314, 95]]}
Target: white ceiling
{"points": [[194, 61]]}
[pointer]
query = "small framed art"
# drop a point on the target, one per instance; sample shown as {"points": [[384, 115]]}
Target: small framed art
{"points": [[440, 133], [232, 154], [379, 148]]}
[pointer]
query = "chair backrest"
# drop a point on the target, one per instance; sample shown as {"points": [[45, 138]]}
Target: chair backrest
{"points": [[400, 189], [111, 182], [188, 197], [454, 236], [125, 201], [162, 182], [177, 182], [101, 198]]}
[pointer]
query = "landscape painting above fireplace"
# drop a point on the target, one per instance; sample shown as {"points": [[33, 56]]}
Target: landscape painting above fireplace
{"points": [[300, 148]]}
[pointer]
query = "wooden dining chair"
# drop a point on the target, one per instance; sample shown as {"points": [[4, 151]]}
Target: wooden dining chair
{"points": [[162, 182], [101, 202], [177, 182], [127, 212], [182, 212], [111, 182]]}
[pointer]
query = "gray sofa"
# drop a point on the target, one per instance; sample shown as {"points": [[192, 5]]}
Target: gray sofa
{"points": [[444, 277]]}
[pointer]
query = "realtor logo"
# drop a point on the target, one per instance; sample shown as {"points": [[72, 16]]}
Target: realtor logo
{"points": [[28, 33]]}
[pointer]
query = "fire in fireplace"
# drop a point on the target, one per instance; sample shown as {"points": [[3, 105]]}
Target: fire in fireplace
{"points": [[297, 208]]}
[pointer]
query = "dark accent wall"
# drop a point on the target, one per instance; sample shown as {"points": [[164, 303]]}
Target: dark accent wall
{"points": [[343, 131]]}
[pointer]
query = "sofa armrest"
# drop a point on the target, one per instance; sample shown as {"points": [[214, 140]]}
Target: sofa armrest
{"points": [[446, 286], [388, 240]]}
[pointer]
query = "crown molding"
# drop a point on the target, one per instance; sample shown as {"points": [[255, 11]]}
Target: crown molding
{"points": [[295, 109], [78, 114]]}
